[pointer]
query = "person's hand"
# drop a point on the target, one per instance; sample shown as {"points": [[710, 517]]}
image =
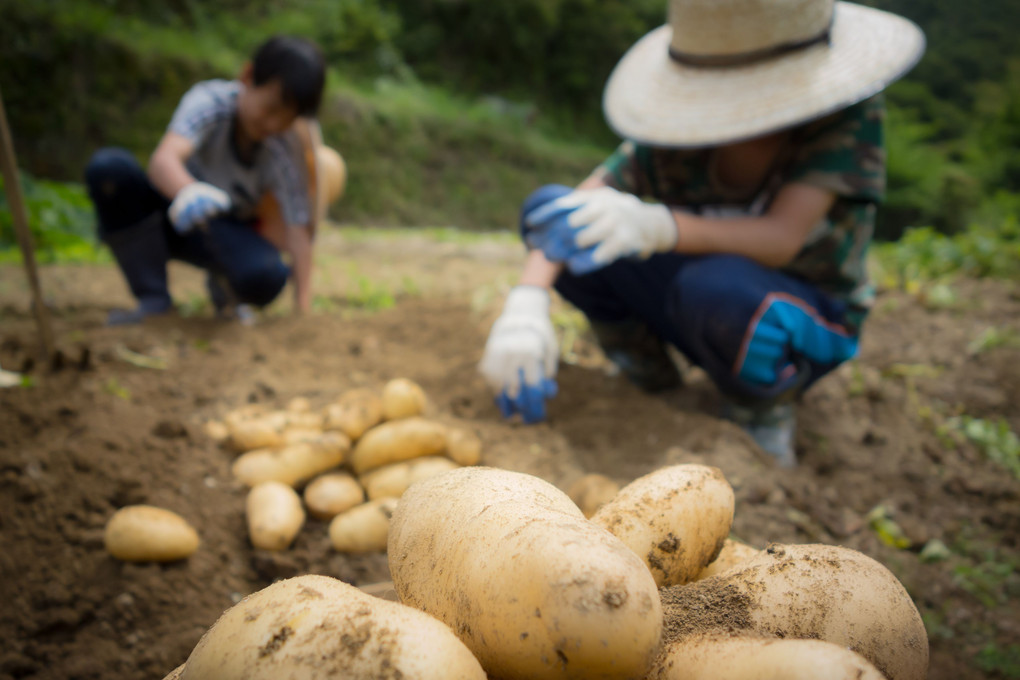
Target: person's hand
{"points": [[520, 358], [590, 228], [195, 204]]}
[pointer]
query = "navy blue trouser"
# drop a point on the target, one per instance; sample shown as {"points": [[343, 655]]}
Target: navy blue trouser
{"points": [[124, 198]]}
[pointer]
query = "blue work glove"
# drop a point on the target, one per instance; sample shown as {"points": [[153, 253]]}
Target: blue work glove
{"points": [[521, 355], [195, 204], [545, 227]]}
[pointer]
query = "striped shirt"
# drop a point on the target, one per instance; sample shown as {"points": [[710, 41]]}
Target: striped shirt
{"points": [[206, 116]]}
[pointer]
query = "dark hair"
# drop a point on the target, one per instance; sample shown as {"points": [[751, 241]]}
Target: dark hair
{"points": [[298, 65]]}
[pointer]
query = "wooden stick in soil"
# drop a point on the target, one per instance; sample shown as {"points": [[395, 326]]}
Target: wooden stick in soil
{"points": [[12, 186]]}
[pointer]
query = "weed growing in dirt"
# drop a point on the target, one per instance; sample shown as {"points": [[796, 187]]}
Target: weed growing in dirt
{"points": [[992, 338], [113, 386], [994, 439]]}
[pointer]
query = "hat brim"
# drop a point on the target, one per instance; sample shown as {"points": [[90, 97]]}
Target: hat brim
{"points": [[652, 99]]}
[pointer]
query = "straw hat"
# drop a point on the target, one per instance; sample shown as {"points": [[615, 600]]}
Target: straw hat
{"points": [[724, 71]]}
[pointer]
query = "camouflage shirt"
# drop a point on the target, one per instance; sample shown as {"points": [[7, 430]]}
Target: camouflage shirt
{"points": [[843, 153]]}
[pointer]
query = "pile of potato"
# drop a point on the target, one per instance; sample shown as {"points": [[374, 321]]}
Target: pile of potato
{"points": [[499, 574], [354, 459]]}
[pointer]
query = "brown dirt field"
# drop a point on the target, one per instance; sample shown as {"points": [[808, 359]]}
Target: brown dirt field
{"points": [[81, 443]]}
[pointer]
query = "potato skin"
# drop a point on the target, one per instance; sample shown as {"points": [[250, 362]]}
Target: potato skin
{"points": [[592, 491], [733, 553], [175, 674], [463, 447], [275, 515], [533, 588], [712, 657], [329, 495], [354, 412], [319, 628], [392, 480], [396, 441], [143, 533], [402, 398], [675, 518], [363, 528], [292, 464]]}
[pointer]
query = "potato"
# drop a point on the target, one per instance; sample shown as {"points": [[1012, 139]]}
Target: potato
{"points": [[329, 495], [248, 435], [533, 588], [302, 435], [299, 405], [397, 441], [292, 464], [463, 447], [304, 420], [392, 480], [176, 673], [319, 628], [354, 413], [143, 533], [750, 658], [733, 553], [814, 592], [363, 528], [402, 398], [592, 491], [275, 515], [675, 518], [216, 430]]}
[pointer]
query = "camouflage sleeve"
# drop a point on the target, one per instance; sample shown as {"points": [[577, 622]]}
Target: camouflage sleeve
{"points": [[845, 152], [626, 169]]}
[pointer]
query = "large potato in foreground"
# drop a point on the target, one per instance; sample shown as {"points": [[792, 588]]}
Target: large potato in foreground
{"points": [[533, 588], [675, 518], [319, 628], [143, 533]]}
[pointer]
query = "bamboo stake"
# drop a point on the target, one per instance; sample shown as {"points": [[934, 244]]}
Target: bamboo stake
{"points": [[12, 186]]}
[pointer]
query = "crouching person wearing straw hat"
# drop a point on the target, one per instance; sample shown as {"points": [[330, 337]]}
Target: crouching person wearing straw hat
{"points": [[732, 222]]}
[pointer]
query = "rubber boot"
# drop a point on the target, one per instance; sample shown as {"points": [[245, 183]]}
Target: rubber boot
{"points": [[772, 427], [141, 253], [639, 353]]}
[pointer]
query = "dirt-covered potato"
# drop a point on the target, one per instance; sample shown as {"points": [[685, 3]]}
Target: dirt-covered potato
{"points": [[319, 628], [719, 657], [396, 441], [402, 398], [275, 515], [363, 528], [463, 446], [592, 491], [329, 495], [354, 412], [143, 533], [675, 518], [733, 553], [391, 481], [817, 592], [533, 588], [292, 464]]}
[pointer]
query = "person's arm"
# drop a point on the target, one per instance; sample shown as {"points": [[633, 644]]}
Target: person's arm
{"points": [[299, 245], [167, 171]]}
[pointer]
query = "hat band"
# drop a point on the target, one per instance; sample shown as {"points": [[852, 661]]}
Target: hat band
{"points": [[744, 58]]}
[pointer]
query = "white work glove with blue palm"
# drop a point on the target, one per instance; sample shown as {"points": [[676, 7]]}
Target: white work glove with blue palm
{"points": [[195, 204], [588, 229], [521, 355]]}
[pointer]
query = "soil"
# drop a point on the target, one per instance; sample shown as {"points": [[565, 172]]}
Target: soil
{"points": [[102, 432]]}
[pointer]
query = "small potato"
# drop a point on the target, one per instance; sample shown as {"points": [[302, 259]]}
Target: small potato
{"points": [[363, 528], [675, 518], [463, 446], [354, 413], [391, 481], [299, 405], [402, 398], [292, 464], [329, 495], [275, 515], [244, 413], [319, 628], [248, 435], [301, 435], [143, 533], [304, 420], [708, 657], [733, 553], [592, 491], [396, 441], [216, 430]]}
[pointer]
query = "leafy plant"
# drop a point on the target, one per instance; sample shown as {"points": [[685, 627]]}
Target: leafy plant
{"points": [[60, 218], [994, 439]]}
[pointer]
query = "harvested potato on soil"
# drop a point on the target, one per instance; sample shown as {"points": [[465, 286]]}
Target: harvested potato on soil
{"points": [[354, 413], [402, 398], [292, 464], [216, 430], [258, 433], [301, 435], [809, 592], [397, 441], [675, 518], [733, 553], [392, 480], [275, 515], [463, 446], [319, 628], [329, 495], [751, 658], [143, 533], [533, 588], [299, 405], [592, 491], [363, 528]]}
